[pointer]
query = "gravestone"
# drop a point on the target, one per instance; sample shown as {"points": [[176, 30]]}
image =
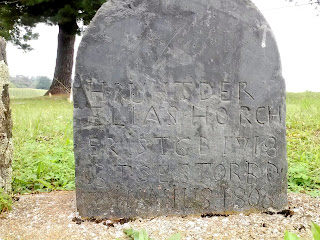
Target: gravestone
{"points": [[6, 147], [179, 109]]}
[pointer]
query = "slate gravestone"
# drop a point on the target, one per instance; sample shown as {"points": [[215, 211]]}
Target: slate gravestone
{"points": [[179, 109]]}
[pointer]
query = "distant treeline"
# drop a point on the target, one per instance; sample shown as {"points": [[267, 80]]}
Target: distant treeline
{"points": [[39, 82]]}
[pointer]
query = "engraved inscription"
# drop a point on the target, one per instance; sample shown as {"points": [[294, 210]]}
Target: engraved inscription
{"points": [[178, 114]]}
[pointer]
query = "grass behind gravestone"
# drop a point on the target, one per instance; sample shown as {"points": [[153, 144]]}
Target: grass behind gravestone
{"points": [[303, 136], [25, 93], [43, 142]]}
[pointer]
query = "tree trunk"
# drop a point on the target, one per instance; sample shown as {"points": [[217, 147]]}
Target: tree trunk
{"points": [[61, 83], [6, 148]]}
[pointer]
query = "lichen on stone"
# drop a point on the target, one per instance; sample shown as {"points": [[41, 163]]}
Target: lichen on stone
{"points": [[6, 146]]}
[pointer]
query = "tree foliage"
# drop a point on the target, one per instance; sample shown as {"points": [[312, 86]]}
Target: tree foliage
{"points": [[43, 82], [19, 17], [21, 81], [39, 82]]}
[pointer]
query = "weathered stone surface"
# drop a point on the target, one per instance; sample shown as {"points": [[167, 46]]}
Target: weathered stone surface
{"points": [[179, 109], [3, 53], [6, 148]]}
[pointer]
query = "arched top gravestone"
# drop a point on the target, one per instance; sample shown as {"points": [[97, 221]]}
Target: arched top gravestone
{"points": [[179, 109]]}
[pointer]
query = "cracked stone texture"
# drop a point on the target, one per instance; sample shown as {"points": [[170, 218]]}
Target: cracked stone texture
{"points": [[179, 109]]}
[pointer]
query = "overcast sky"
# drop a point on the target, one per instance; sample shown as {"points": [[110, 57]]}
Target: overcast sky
{"points": [[296, 28]]}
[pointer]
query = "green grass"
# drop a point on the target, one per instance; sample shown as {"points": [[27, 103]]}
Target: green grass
{"points": [[43, 156], [43, 144], [303, 136], [5, 202], [25, 93]]}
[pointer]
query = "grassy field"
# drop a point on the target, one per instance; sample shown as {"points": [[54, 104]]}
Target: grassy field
{"points": [[303, 136], [43, 144], [43, 158], [25, 93]]}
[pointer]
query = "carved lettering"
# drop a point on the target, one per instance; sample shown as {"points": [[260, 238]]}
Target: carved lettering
{"points": [[142, 143], [243, 91], [206, 195], [126, 172], [200, 114], [186, 170], [152, 116], [173, 114], [251, 177], [272, 172], [255, 146], [204, 146], [240, 193], [168, 199], [165, 131], [222, 116], [94, 144], [254, 197], [225, 91], [262, 115], [219, 172], [144, 172], [110, 142], [183, 146], [245, 116], [233, 172], [163, 143], [270, 147], [266, 200], [275, 114], [243, 142], [186, 199], [164, 174]]}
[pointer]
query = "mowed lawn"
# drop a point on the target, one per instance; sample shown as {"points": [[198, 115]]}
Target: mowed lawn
{"points": [[26, 93], [43, 142]]}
